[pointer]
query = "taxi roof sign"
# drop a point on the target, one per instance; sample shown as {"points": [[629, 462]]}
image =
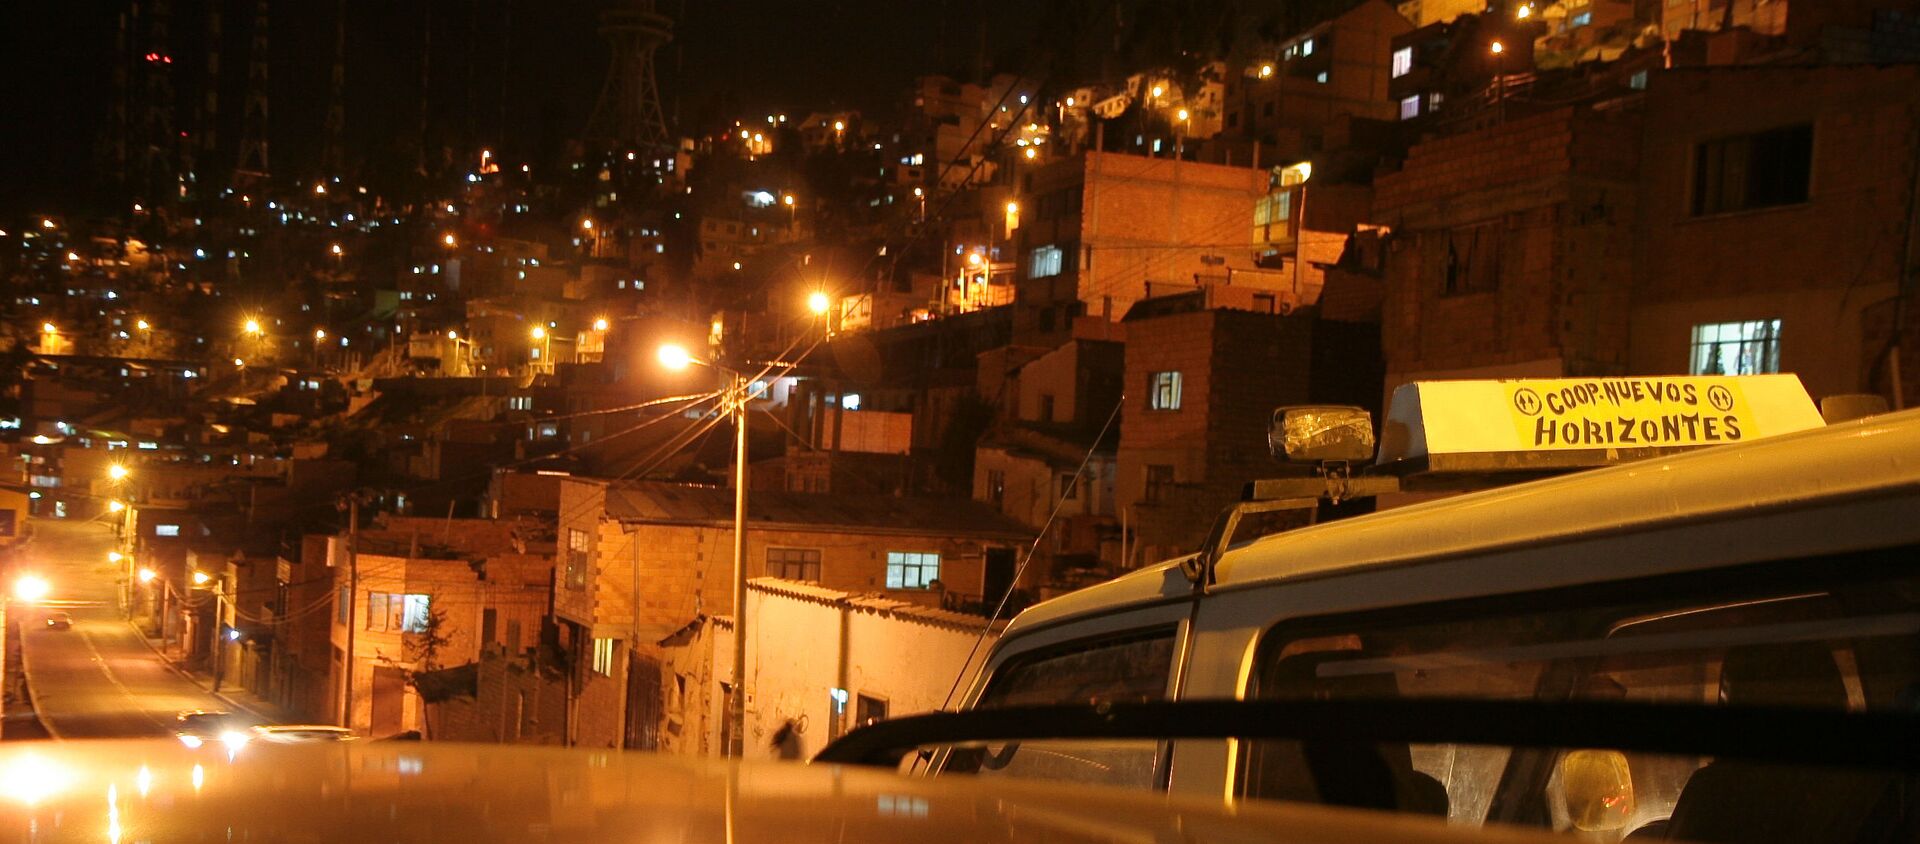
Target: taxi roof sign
{"points": [[1539, 425]]}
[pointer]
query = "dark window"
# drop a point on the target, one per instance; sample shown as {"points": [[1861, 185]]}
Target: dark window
{"points": [[1472, 260], [996, 486], [1159, 483], [578, 557], [867, 710], [1753, 171], [794, 564]]}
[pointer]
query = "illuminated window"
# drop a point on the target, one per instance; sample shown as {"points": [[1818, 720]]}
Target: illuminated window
{"points": [[1044, 262], [1402, 62], [1736, 348], [1410, 107], [912, 569], [603, 651], [416, 614], [166, 530], [519, 402], [1163, 391], [794, 564]]}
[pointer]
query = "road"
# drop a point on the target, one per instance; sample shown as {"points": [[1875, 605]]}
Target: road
{"points": [[98, 680]]}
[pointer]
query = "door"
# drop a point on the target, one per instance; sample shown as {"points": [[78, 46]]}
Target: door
{"points": [[389, 701], [644, 712], [998, 578]]}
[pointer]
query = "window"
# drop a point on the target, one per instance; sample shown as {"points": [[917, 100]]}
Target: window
{"points": [[1434, 100], [867, 710], [1068, 489], [1402, 62], [1163, 391], [166, 530], [1271, 211], [1044, 262], [912, 569], [340, 602], [1638, 81], [416, 614], [1580, 19], [1321, 77], [1736, 348], [1763, 170], [1159, 483], [603, 650], [794, 564], [996, 486], [578, 556], [520, 403], [1132, 668], [1834, 634], [1306, 47], [1472, 262], [1410, 107]]}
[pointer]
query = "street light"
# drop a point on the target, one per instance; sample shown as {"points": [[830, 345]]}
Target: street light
{"points": [[115, 507], [200, 578], [49, 328], [817, 302], [147, 575], [31, 588], [118, 471], [539, 332], [600, 324], [676, 357], [1496, 48], [319, 334], [143, 325], [251, 327], [449, 240]]}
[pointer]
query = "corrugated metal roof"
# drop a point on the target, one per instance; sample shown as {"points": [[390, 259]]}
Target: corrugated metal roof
{"points": [[672, 503]]}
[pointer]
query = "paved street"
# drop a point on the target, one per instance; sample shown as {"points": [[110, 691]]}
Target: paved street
{"points": [[99, 679]]}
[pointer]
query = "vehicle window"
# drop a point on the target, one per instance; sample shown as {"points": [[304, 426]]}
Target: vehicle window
{"points": [[1839, 646], [1128, 669]]}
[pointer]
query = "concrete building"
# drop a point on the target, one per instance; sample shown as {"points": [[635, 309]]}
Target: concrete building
{"points": [[1290, 99], [645, 570]]}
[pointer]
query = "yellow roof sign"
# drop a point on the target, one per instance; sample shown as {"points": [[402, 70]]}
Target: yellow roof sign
{"points": [[1590, 420]]}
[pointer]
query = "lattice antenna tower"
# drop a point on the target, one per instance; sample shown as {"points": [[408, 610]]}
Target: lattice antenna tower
{"points": [[628, 115], [254, 163]]}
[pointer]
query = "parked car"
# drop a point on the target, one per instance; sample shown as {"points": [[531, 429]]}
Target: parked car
{"points": [[59, 621]]}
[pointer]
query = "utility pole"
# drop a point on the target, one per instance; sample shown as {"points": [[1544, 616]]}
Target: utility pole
{"points": [[219, 635], [737, 714], [352, 505]]}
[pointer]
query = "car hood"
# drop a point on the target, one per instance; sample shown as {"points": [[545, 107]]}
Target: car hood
{"points": [[403, 791]]}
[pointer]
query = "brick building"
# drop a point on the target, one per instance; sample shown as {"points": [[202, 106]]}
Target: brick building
{"points": [[1099, 231], [1512, 249], [433, 593], [1775, 207], [1202, 383]]}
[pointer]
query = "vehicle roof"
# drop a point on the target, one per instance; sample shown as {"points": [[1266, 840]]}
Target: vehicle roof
{"points": [[360, 791], [1875, 455]]}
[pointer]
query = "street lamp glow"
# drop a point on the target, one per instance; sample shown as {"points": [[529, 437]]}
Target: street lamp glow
{"points": [[252, 326], [1182, 114], [539, 332], [839, 126], [49, 328], [1013, 208], [1266, 70], [587, 224], [46, 223], [675, 357], [452, 334], [973, 259], [31, 588], [118, 471], [320, 189], [1523, 12], [787, 200], [115, 507], [115, 556], [319, 334], [1496, 48], [200, 578], [1158, 90], [143, 325], [448, 239], [818, 302], [335, 249], [147, 575], [600, 324]]}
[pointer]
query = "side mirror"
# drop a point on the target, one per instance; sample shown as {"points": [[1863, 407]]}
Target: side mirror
{"points": [[1596, 790], [1319, 433]]}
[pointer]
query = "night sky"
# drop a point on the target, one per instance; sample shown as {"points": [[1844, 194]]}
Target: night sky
{"points": [[520, 74]]}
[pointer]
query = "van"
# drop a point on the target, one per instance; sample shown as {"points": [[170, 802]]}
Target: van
{"points": [[1778, 570]]}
